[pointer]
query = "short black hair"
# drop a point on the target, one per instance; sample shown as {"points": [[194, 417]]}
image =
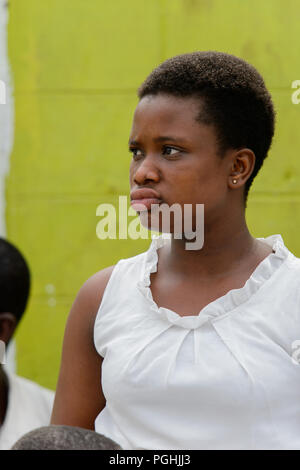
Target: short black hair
{"points": [[14, 280], [234, 99]]}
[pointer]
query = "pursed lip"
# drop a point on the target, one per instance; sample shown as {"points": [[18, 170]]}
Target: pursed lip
{"points": [[143, 198], [144, 193]]}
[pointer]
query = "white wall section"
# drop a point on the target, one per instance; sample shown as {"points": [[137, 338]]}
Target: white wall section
{"points": [[6, 136], [6, 113]]}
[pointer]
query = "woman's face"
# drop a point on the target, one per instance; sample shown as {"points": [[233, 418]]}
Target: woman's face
{"points": [[176, 156]]}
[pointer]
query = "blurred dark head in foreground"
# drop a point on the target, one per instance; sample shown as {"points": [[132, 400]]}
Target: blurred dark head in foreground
{"points": [[60, 437], [14, 288]]}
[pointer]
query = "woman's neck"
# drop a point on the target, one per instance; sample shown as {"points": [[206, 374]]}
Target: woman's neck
{"points": [[226, 249]]}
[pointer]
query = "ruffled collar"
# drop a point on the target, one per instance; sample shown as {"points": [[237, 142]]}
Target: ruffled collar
{"points": [[224, 304]]}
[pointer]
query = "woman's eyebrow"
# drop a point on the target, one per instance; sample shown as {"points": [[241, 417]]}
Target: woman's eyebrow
{"points": [[161, 138], [133, 142]]}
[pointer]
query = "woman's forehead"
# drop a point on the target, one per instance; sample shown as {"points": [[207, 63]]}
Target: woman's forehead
{"points": [[168, 106], [166, 113], [160, 116]]}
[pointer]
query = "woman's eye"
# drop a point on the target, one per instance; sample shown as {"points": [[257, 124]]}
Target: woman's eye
{"points": [[167, 150], [170, 151], [135, 152]]}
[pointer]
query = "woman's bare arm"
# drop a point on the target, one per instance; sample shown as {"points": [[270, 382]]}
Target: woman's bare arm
{"points": [[79, 397]]}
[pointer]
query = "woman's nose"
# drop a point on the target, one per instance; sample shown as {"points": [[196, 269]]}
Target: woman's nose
{"points": [[146, 171]]}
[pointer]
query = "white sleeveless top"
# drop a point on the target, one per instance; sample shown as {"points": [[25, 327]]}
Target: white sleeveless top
{"points": [[226, 378]]}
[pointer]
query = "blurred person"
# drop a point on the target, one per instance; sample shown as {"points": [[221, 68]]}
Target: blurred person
{"points": [[64, 438], [24, 405], [191, 349]]}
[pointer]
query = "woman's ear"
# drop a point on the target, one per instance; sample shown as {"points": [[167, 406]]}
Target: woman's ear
{"points": [[242, 167], [8, 323]]}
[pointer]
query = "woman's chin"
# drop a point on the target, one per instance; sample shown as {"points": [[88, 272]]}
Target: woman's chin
{"points": [[155, 223]]}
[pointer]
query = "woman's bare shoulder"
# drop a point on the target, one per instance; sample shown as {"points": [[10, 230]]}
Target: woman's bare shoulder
{"points": [[79, 397], [91, 292]]}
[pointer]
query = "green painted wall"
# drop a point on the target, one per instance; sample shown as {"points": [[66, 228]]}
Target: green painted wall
{"points": [[76, 65]]}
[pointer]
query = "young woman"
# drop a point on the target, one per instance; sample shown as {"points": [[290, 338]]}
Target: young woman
{"points": [[191, 349]]}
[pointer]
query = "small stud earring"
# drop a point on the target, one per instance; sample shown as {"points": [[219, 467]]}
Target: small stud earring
{"points": [[234, 181]]}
